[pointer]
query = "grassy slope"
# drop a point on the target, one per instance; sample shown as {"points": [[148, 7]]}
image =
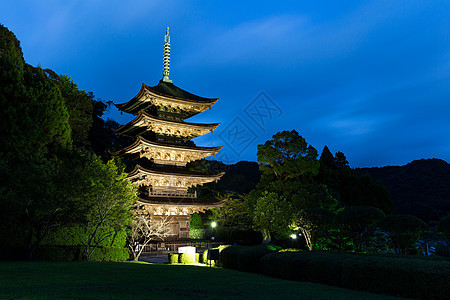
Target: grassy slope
{"points": [[140, 280]]}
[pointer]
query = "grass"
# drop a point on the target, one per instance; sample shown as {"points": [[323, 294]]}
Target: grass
{"points": [[108, 280]]}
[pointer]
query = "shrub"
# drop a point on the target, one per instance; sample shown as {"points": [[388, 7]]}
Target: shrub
{"points": [[404, 276], [243, 258], [173, 258], [197, 257], [110, 254], [197, 234], [186, 258]]}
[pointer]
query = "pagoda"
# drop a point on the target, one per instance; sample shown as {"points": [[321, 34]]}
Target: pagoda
{"points": [[162, 147]]}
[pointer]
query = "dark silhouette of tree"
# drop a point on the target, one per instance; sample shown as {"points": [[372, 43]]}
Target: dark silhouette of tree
{"points": [[403, 230]]}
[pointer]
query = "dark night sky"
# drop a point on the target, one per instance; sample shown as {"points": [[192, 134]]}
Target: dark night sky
{"points": [[369, 78]]}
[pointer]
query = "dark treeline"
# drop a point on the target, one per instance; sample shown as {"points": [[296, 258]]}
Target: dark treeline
{"points": [[58, 184], [420, 188]]}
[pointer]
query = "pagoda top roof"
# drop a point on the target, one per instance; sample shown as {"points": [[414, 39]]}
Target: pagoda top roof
{"points": [[141, 141], [166, 90], [179, 202]]}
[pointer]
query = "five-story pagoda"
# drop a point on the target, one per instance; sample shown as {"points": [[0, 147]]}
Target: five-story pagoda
{"points": [[163, 147]]}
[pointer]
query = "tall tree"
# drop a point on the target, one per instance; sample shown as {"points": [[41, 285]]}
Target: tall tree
{"points": [[107, 202], [289, 168]]}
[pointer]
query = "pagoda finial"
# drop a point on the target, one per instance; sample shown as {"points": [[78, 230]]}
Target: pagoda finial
{"points": [[166, 64]]}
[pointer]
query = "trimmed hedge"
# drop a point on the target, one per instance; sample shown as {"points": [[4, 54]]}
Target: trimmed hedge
{"points": [[74, 253], [186, 258], [407, 277], [173, 258], [243, 258]]}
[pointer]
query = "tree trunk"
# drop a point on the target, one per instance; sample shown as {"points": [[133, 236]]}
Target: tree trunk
{"points": [[266, 236]]}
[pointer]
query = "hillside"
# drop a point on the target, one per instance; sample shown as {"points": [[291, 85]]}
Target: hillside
{"points": [[420, 188]]}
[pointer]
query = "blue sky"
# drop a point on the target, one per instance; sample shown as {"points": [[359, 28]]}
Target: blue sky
{"points": [[369, 78]]}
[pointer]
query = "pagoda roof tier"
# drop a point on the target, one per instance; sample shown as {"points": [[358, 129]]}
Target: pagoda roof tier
{"points": [[176, 206], [169, 179], [168, 154], [166, 94], [146, 122]]}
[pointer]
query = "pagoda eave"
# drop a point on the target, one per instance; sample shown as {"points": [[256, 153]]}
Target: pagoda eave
{"points": [[141, 171], [157, 125], [141, 143], [157, 207]]}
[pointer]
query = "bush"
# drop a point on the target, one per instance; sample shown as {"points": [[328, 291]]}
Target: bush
{"points": [[204, 256], [186, 258], [197, 234], [197, 257], [408, 278], [404, 276], [442, 249], [57, 253], [304, 266], [243, 258], [173, 258], [110, 254]]}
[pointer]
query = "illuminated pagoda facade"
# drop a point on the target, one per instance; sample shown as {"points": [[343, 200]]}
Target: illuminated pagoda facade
{"points": [[162, 147]]}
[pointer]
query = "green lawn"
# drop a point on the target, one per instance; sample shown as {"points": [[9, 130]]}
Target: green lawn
{"points": [[94, 280]]}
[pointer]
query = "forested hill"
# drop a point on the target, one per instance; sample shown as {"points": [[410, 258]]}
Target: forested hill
{"points": [[239, 178], [420, 188]]}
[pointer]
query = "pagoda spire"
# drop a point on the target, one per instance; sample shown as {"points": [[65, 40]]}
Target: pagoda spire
{"points": [[166, 62]]}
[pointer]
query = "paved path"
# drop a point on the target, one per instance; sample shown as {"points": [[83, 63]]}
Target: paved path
{"points": [[155, 259]]}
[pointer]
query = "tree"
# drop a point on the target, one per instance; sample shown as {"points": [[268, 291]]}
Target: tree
{"points": [[403, 231], [340, 160], [233, 212], [312, 222], [288, 156], [271, 214], [196, 221], [79, 105], [144, 229], [34, 118], [289, 168], [444, 228], [107, 202], [356, 222], [327, 158]]}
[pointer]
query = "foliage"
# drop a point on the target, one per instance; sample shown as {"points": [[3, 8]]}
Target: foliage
{"points": [[419, 188], [173, 258], [288, 156], [233, 213], [350, 188], [287, 184], [198, 234], [271, 214], [403, 231], [399, 276], [444, 228], [107, 201], [33, 117], [357, 223], [186, 258], [313, 222], [79, 105], [196, 222], [243, 258]]}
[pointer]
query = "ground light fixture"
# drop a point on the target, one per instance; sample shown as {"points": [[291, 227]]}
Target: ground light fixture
{"points": [[293, 236], [213, 224]]}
